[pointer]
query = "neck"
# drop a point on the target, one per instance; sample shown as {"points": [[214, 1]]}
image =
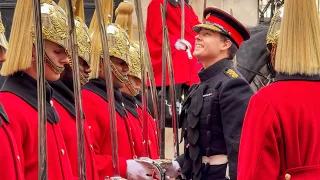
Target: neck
{"points": [[209, 62], [31, 72], [125, 90]]}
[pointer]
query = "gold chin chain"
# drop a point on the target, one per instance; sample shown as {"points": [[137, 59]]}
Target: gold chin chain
{"points": [[83, 79], [133, 91], [55, 68], [119, 76]]}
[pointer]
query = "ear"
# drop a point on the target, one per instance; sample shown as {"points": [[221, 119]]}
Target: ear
{"points": [[226, 45]]}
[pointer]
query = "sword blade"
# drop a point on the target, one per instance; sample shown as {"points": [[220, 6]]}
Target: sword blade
{"points": [[41, 93], [182, 19], [73, 49], [109, 88], [171, 87]]}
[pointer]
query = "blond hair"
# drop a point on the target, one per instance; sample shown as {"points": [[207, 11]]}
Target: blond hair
{"points": [[298, 49], [19, 54], [124, 16], [78, 6], [107, 8]]}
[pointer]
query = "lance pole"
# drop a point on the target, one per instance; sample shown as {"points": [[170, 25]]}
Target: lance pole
{"points": [[110, 91], [41, 93], [73, 49]]}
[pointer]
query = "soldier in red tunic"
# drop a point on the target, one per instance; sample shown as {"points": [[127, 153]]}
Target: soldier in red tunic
{"points": [[10, 166], [19, 92], [132, 89], [64, 97], [280, 136]]}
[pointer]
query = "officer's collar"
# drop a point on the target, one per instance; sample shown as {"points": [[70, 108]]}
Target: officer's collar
{"points": [[175, 3], [130, 104], [24, 86], [296, 77], [98, 86], [3, 115], [216, 68], [64, 95]]}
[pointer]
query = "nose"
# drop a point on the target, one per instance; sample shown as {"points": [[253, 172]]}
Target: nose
{"points": [[197, 37], [65, 59]]}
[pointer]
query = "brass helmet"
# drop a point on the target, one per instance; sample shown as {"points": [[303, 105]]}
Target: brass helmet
{"points": [[3, 39], [54, 23], [135, 66], [273, 33], [54, 28], [119, 45]]}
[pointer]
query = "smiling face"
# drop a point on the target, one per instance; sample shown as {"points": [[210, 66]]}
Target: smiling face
{"points": [[209, 46]]}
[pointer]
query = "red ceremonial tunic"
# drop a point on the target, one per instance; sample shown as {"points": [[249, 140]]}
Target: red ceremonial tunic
{"points": [[185, 70], [95, 107], [64, 103], [281, 131], [19, 98], [10, 166], [135, 120]]}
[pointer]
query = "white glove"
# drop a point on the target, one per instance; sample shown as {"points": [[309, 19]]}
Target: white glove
{"points": [[138, 170], [182, 44], [173, 170]]}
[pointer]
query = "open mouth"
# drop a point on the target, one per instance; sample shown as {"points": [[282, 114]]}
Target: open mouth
{"points": [[199, 46]]}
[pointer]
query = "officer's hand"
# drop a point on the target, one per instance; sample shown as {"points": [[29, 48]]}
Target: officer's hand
{"points": [[138, 170], [182, 44], [173, 170]]}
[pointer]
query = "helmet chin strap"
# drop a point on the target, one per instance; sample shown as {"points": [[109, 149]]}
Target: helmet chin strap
{"points": [[55, 68], [132, 90], [119, 76]]}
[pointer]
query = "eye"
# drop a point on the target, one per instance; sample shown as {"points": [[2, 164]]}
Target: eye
{"points": [[58, 51], [207, 34]]}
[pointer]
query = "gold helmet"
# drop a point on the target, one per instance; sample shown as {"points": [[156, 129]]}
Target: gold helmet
{"points": [[135, 66], [298, 47], [54, 28], [118, 44], [273, 33], [3, 39], [82, 33]]}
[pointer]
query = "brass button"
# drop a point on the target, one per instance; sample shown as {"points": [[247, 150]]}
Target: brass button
{"points": [[133, 143], [51, 103], [91, 147], [18, 157], [122, 104], [287, 176], [62, 151], [89, 127], [156, 133]]}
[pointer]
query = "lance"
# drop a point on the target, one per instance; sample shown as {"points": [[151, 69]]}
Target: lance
{"points": [[172, 85], [110, 92], [163, 89], [182, 27], [204, 7], [146, 71], [73, 49], [41, 93]]}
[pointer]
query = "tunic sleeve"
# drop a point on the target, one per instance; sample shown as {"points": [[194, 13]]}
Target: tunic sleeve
{"points": [[259, 155], [234, 99]]}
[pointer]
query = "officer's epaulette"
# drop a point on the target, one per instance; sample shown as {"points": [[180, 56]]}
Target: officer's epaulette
{"points": [[231, 73]]}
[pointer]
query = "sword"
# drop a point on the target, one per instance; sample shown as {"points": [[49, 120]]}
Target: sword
{"points": [[110, 94], [163, 89], [182, 27], [146, 65], [41, 93], [73, 49], [172, 85]]}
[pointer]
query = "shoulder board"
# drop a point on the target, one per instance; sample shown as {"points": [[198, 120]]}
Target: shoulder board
{"points": [[231, 73]]}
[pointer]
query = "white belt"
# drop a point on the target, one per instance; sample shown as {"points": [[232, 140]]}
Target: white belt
{"points": [[215, 159]]}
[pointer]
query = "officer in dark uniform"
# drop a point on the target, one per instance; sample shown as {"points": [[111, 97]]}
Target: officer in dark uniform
{"points": [[213, 112]]}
